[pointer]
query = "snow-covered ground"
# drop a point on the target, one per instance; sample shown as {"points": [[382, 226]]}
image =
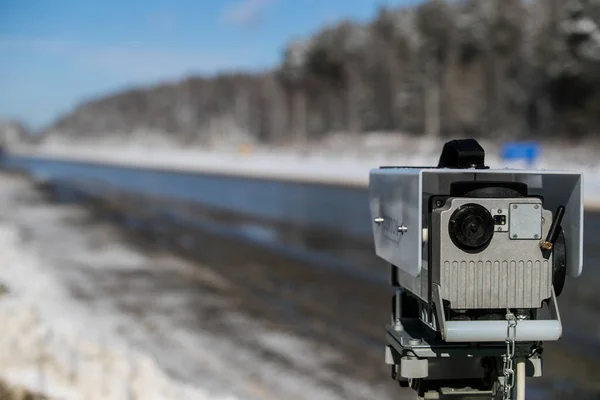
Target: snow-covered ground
{"points": [[88, 316], [337, 160], [85, 315]]}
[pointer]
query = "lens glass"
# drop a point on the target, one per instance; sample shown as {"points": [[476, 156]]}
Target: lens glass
{"points": [[471, 228]]}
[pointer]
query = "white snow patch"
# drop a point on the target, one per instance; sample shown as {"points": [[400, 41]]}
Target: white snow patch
{"points": [[90, 345]]}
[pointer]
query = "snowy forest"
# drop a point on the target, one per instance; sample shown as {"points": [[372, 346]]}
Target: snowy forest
{"points": [[486, 68]]}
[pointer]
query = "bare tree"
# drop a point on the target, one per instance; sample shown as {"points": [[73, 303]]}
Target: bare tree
{"points": [[435, 23]]}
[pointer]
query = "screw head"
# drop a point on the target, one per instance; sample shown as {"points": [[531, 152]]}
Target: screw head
{"points": [[515, 206], [536, 236], [402, 229], [378, 220], [536, 206], [499, 228], [515, 236], [438, 203], [499, 211]]}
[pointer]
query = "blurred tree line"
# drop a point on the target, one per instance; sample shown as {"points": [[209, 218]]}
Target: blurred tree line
{"points": [[487, 68]]}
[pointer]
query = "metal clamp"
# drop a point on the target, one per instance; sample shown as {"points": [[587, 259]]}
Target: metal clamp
{"points": [[495, 331]]}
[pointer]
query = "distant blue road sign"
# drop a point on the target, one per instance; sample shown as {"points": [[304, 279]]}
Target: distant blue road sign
{"points": [[528, 151]]}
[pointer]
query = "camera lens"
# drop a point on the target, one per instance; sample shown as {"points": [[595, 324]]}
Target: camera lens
{"points": [[471, 228]]}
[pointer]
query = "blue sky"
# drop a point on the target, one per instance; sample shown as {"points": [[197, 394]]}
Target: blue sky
{"points": [[56, 53]]}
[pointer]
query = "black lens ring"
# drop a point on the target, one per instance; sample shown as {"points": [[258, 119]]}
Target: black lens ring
{"points": [[471, 228]]}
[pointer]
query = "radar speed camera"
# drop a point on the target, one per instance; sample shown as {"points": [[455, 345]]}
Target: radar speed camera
{"points": [[478, 257]]}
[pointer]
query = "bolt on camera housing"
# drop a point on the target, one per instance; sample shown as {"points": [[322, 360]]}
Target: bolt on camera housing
{"points": [[467, 245]]}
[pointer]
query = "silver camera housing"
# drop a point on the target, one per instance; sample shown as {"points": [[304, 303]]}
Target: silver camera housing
{"points": [[509, 273]]}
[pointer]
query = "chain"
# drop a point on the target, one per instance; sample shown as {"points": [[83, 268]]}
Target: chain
{"points": [[508, 358]]}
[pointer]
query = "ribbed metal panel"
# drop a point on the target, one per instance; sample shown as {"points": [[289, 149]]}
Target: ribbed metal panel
{"points": [[487, 284]]}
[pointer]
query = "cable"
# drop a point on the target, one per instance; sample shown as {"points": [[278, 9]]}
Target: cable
{"points": [[521, 379]]}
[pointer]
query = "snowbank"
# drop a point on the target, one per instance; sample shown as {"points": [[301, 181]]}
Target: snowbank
{"points": [[56, 356], [86, 315]]}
